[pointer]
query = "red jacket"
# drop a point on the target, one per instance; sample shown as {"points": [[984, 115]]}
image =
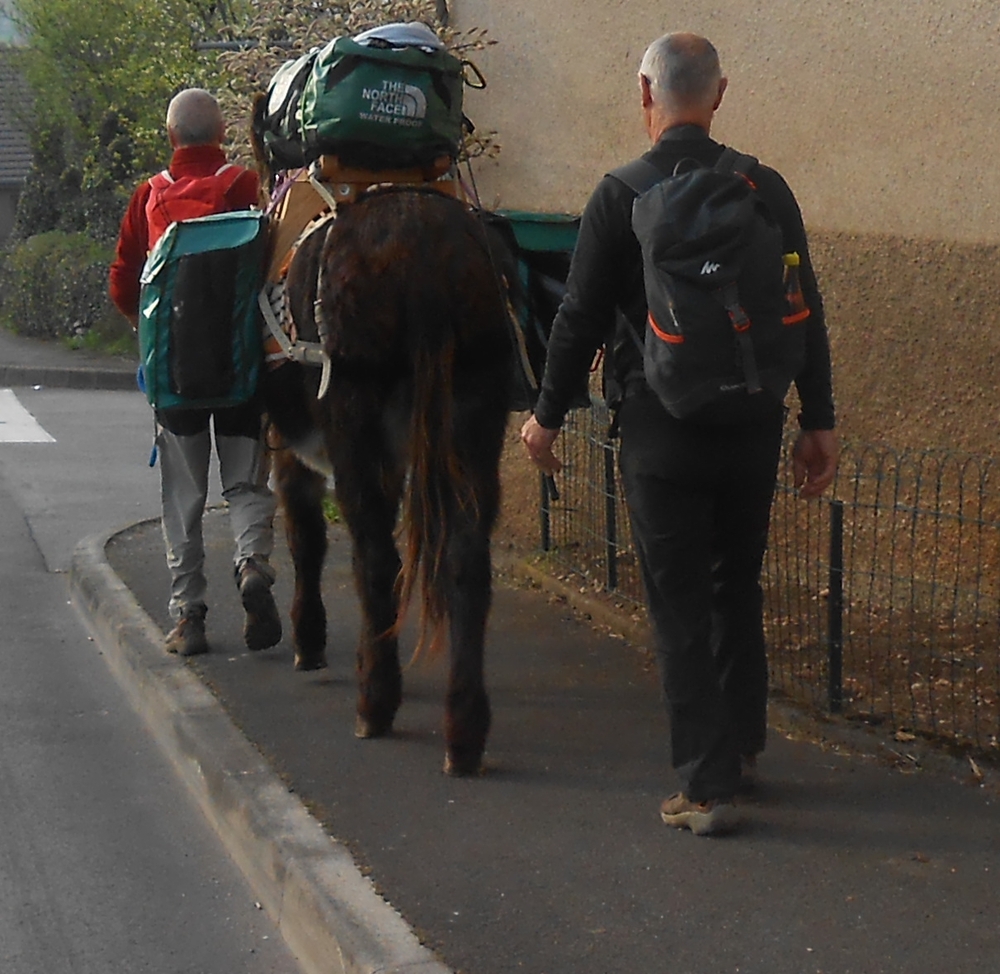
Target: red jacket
{"points": [[130, 255]]}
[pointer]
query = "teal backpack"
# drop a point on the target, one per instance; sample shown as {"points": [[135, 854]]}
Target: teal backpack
{"points": [[199, 321]]}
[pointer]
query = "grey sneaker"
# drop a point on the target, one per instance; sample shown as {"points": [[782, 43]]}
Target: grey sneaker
{"points": [[702, 818], [187, 638], [262, 625]]}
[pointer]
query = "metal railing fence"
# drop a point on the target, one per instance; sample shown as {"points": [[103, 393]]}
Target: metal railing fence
{"points": [[882, 601]]}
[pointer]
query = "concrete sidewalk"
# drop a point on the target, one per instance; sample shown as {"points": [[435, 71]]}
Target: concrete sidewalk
{"points": [[554, 860], [34, 362]]}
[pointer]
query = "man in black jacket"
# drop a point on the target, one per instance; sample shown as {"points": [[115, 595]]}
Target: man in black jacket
{"points": [[699, 496]]}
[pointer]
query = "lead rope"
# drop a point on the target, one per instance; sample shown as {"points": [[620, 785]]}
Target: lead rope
{"points": [[511, 315], [502, 283], [503, 289]]}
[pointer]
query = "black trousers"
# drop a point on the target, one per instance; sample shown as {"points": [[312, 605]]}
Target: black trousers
{"points": [[699, 499], [241, 420]]}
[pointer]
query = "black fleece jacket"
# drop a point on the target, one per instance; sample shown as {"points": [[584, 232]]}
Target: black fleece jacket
{"points": [[605, 286]]}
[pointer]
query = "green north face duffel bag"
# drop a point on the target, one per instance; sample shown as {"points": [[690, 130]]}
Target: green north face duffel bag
{"points": [[199, 321], [382, 107]]}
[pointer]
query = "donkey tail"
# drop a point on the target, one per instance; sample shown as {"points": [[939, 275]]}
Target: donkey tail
{"points": [[439, 491]]}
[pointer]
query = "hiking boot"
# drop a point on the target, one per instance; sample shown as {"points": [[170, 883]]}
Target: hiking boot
{"points": [[187, 638], [262, 625], [702, 818]]}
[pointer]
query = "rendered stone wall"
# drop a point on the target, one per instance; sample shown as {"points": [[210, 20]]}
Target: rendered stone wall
{"points": [[881, 118]]}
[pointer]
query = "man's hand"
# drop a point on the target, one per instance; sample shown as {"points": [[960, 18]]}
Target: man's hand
{"points": [[538, 440], [814, 461]]}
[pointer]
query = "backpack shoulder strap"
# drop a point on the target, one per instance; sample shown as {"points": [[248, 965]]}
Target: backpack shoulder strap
{"points": [[227, 176], [640, 175], [733, 161], [161, 179]]}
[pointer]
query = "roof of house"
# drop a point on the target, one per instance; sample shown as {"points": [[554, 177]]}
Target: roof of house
{"points": [[15, 150]]}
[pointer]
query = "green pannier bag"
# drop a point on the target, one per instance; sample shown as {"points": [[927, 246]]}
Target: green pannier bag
{"points": [[382, 107], [199, 321]]}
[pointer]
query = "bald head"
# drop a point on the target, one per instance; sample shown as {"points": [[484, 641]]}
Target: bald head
{"points": [[194, 118], [683, 72]]}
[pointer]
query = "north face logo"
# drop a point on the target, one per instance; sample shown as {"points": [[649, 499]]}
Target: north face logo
{"points": [[709, 267], [415, 102], [398, 99]]}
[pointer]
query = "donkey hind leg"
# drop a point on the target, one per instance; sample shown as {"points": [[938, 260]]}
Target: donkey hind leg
{"points": [[480, 424], [302, 491], [467, 706], [369, 488]]}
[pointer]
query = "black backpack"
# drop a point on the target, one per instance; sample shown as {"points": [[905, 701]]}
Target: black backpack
{"points": [[276, 118], [722, 341]]}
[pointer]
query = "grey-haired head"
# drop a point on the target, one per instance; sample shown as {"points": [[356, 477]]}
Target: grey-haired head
{"points": [[682, 68], [194, 118], [681, 81]]}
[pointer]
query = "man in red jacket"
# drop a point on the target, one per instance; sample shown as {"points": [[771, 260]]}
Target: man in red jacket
{"points": [[197, 130]]}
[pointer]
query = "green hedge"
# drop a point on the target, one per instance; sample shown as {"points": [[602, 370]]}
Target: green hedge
{"points": [[55, 285]]}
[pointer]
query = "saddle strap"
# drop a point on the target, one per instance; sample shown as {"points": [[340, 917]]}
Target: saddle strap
{"points": [[294, 348], [305, 353]]}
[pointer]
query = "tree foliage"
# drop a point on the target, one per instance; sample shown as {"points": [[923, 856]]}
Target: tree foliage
{"points": [[55, 285], [122, 57], [101, 74]]}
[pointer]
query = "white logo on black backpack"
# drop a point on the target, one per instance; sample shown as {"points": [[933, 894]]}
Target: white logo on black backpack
{"points": [[709, 267]]}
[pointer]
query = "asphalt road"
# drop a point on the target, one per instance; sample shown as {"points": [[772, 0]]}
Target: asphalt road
{"points": [[106, 864]]}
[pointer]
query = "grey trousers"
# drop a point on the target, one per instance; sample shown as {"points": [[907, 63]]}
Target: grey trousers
{"points": [[184, 466]]}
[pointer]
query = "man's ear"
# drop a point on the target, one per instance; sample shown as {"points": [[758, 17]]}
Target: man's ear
{"points": [[645, 94], [723, 85]]}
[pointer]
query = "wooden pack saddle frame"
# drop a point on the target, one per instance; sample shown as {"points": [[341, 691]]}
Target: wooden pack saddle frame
{"points": [[306, 204]]}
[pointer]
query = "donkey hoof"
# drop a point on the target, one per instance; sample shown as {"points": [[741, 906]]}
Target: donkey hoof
{"points": [[310, 661], [365, 727], [462, 766]]}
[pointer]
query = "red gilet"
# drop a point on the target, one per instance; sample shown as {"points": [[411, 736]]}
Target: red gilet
{"points": [[130, 255]]}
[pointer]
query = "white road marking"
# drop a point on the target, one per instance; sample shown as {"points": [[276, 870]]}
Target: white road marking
{"points": [[17, 425]]}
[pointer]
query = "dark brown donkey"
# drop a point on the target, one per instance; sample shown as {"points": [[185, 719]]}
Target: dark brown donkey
{"points": [[412, 316]]}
